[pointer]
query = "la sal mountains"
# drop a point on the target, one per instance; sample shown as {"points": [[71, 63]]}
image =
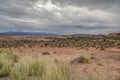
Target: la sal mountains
{"points": [[15, 33]]}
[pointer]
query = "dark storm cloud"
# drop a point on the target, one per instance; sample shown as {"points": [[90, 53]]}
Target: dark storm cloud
{"points": [[63, 16]]}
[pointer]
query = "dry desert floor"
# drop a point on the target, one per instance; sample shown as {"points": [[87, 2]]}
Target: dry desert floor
{"points": [[103, 62]]}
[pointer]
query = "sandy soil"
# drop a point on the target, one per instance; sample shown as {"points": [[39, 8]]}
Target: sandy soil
{"points": [[103, 62]]}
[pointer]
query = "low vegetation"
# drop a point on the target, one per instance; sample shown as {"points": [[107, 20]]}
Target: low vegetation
{"points": [[45, 53], [81, 59], [7, 61], [84, 42], [37, 68]]}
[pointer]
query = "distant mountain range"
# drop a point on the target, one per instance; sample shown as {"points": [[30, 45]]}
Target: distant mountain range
{"points": [[12, 33], [15, 33], [84, 34]]}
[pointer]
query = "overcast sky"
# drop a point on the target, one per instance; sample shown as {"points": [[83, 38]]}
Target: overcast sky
{"points": [[60, 16]]}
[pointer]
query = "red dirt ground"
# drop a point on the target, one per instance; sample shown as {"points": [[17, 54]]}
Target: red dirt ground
{"points": [[104, 62]]}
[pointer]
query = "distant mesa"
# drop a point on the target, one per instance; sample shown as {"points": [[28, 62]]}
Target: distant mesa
{"points": [[114, 34]]}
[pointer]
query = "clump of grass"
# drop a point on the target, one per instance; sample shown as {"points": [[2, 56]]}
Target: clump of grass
{"points": [[33, 67], [56, 72], [40, 69], [81, 59], [5, 67], [7, 54], [20, 71], [65, 71], [36, 67], [7, 60]]}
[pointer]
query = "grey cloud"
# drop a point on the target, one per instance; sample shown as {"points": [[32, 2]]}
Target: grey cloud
{"points": [[90, 3], [63, 16]]}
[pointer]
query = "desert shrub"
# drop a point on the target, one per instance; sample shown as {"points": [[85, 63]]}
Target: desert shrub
{"points": [[99, 64], [54, 52], [7, 60], [45, 53], [102, 48], [81, 59]]}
